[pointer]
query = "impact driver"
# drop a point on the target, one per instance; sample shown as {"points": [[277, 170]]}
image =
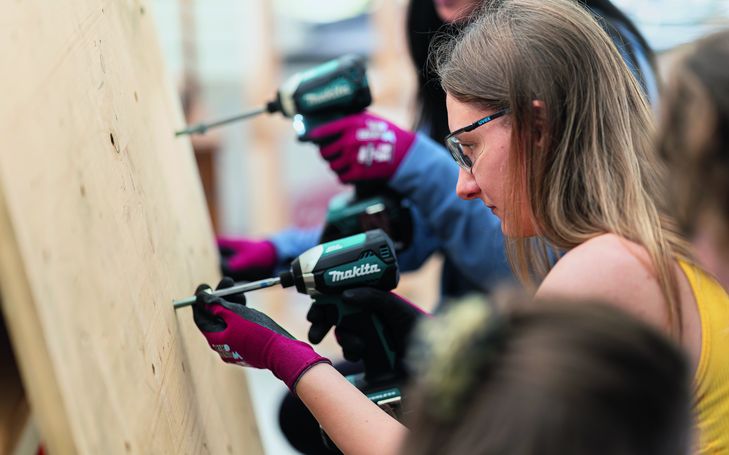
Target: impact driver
{"points": [[324, 272]]}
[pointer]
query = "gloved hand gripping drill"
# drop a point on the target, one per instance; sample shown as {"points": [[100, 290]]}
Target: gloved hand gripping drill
{"points": [[320, 98], [324, 272]]}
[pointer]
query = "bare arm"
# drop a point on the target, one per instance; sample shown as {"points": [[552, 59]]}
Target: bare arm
{"points": [[354, 423]]}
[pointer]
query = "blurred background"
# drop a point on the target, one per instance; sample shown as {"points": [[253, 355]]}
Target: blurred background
{"points": [[227, 56]]}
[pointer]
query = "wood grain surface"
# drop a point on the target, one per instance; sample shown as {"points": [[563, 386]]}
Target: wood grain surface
{"points": [[102, 224]]}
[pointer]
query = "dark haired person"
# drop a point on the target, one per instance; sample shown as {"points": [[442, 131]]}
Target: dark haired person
{"points": [[547, 378]]}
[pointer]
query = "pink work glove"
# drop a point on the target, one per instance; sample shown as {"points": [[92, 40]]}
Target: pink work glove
{"points": [[362, 147], [246, 260], [247, 337]]}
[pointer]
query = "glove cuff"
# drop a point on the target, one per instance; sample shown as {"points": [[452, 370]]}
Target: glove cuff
{"points": [[306, 368], [291, 361]]}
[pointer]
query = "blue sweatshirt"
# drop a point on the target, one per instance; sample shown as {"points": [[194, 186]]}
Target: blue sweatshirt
{"points": [[466, 232]]}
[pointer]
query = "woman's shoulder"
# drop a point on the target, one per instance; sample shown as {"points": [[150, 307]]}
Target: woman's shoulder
{"points": [[612, 247], [608, 253], [611, 269]]}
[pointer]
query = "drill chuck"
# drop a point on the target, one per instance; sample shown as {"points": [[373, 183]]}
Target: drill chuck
{"points": [[287, 279]]}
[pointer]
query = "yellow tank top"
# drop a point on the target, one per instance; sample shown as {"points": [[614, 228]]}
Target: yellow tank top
{"points": [[711, 381]]}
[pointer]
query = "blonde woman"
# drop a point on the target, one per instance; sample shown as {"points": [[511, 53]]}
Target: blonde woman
{"points": [[553, 134]]}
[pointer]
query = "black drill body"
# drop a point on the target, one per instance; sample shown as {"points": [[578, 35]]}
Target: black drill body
{"points": [[327, 270], [327, 92]]}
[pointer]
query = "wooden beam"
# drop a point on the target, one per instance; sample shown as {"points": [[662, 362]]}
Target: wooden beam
{"points": [[102, 224]]}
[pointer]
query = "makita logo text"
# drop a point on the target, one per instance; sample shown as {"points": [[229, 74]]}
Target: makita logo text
{"points": [[336, 92], [356, 271]]}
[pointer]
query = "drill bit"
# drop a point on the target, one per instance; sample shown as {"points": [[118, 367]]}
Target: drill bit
{"points": [[201, 128], [238, 289]]}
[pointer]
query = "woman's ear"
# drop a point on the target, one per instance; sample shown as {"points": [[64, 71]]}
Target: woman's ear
{"points": [[540, 122]]}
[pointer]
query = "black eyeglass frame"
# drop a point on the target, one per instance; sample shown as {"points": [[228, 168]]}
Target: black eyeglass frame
{"points": [[455, 149]]}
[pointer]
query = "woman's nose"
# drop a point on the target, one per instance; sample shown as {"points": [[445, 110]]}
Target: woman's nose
{"points": [[466, 188]]}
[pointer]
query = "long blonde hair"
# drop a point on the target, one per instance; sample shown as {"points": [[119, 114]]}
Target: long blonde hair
{"points": [[586, 165]]}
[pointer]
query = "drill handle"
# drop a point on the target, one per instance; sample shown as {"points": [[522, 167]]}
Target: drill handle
{"points": [[379, 357], [370, 188]]}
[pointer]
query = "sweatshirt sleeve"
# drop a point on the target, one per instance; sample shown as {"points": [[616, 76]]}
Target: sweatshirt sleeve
{"points": [[291, 242]]}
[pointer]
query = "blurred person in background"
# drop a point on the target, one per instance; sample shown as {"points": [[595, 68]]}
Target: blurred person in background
{"points": [[694, 139]]}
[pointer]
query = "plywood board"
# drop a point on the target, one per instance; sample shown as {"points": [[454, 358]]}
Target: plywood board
{"points": [[102, 223]]}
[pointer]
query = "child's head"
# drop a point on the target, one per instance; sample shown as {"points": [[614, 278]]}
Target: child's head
{"points": [[554, 379], [694, 139]]}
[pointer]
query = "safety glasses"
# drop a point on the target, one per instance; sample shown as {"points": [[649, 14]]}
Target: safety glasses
{"points": [[454, 146]]}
